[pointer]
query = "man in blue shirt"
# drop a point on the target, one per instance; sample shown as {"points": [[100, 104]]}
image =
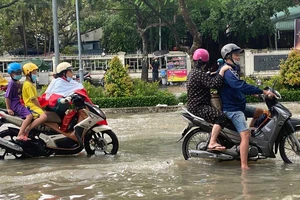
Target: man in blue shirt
{"points": [[233, 98]]}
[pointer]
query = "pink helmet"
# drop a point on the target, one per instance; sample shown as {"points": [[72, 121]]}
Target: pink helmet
{"points": [[201, 54]]}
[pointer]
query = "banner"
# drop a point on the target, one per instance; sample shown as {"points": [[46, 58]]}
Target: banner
{"points": [[177, 75], [297, 34]]}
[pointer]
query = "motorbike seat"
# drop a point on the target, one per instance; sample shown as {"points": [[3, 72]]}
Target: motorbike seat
{"points": [[53, 117], [195, 119], [4, 110]]}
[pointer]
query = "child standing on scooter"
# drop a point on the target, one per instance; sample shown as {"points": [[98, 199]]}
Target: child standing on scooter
{"points": [[30, 96], [12, 99]]}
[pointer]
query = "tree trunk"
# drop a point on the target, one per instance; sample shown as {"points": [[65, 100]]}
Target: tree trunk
{"points": [[50, 43], [173, 30], [24, 34], [36, 31], [145, 67], [197, 38], [21, 31]]}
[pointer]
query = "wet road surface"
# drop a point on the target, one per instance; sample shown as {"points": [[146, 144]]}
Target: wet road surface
{"points": [[149, 165]]}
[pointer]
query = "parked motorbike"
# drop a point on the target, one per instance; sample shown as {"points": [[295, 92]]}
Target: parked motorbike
{"points": [[86, 77], [276, 131], [86, 128], [102, 80]]}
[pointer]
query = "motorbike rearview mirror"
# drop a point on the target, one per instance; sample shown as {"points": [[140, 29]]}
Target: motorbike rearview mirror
{"points": [[258, 81]]}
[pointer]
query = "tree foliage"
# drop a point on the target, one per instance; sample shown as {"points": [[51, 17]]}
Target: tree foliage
{"points": [[290, 70], [131, 25]]}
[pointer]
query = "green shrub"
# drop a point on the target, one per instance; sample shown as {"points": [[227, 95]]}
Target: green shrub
{"points": [[117, 80], [287, 95], [42, 90], [183, 98], [142, 88], [290, 70], [93, 91]]}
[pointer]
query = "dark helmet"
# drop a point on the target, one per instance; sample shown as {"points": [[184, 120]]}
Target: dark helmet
{"points": [[230, 48]]}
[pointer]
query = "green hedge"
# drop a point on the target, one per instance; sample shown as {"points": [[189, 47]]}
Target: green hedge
{"points": [[134, 101], [287, 95]]}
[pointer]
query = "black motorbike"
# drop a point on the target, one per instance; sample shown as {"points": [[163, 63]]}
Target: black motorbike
{"points": [[86, 77], [278, 130]]}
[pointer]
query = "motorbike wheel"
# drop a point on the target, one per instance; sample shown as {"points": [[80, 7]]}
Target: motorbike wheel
{"points": [[195, 140], [105, 142], [289, 151], [6, 134]]}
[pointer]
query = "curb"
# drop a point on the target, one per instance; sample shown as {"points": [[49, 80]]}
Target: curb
{"points": [[151, 109], [293, 106]]}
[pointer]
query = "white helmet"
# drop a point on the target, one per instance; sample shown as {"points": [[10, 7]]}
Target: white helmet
{"points": [[64, 66]]}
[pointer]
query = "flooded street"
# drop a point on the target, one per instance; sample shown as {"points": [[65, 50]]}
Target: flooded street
{"points": [[149, 165]]}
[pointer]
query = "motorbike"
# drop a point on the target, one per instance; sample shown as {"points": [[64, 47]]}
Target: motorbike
{"points": [[86, 77], [276, 131], [85, 127]]}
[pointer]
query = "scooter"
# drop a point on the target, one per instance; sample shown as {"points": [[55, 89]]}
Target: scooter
{"points": [[84, 127], [277, 131], [86, 77]]}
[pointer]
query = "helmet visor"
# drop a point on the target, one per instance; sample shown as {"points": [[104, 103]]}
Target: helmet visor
{"points": [[238, 51]]}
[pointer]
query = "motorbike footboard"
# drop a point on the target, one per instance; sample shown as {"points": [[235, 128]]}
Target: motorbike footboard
{"points": [[214, 155]]}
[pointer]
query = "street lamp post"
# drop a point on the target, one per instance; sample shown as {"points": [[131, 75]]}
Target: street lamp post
{"points": [[79, 43], [55, 33]]}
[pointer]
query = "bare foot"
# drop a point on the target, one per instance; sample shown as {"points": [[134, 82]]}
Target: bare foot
{"points": [[245, 167]]}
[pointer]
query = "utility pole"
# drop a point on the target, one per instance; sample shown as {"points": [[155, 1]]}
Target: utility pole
{"points": [[55, 33], [79, 43], [159, 43]]}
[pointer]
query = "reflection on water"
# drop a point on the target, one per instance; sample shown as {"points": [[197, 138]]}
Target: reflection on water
{"points": [[149, 165]]}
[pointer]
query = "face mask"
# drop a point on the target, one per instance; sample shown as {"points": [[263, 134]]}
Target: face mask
{"points": [[236, 62], [69, 79], [17, 77], [33, 78]]}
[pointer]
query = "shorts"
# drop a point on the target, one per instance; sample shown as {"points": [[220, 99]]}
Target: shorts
{"points": [[21, 110], [36, 112], [238, 118]]}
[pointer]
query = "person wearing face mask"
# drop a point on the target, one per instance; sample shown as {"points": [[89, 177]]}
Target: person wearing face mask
{"points": [[62, 86], [233, 98], [30, 96], [154, 66], [12, 99]]}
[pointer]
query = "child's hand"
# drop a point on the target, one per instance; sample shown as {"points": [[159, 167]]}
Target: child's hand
{"points": [[10, 112]]}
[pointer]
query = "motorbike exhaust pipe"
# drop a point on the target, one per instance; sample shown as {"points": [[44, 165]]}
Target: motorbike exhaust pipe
{"points": [[206, 154], [10, 146]]}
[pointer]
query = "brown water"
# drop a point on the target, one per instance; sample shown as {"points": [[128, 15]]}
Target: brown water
{"points": [[149, 165]]}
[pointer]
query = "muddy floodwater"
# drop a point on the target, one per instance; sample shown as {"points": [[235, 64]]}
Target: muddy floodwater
{"points": [[149, 165]]}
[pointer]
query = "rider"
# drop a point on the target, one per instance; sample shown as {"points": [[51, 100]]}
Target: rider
{"points": [[12, 99], [62, 86], [233, 98], [198, 90], [30, 96]]}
